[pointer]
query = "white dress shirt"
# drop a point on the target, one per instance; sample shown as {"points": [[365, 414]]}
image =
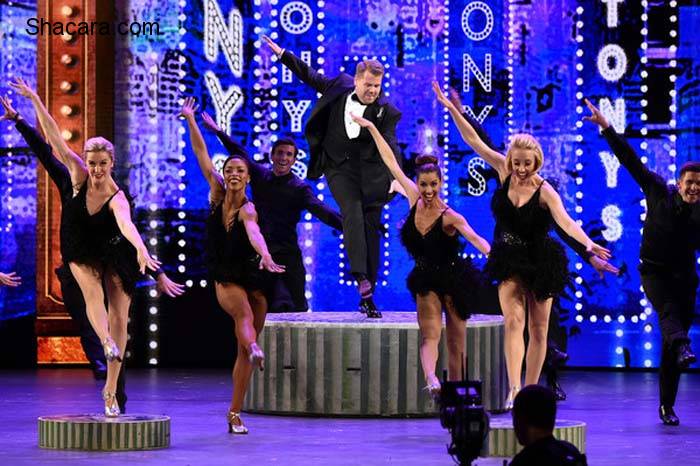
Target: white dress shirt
{"points": [[353, 106]]}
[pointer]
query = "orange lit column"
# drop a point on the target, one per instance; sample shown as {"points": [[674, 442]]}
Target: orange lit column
{"points": [[75, 79]]}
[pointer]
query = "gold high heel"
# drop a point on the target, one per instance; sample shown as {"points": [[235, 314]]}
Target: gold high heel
{"points": [[256, 356], [511, 398], [233, 428], [111, 405], [111, 350]]}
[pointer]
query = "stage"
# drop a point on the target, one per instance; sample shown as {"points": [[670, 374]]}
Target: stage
{"points": [[619, 409]]}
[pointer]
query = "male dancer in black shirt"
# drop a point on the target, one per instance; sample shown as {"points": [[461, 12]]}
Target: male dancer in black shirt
{"points": [[348, 157], [669, 242], [72, 296], [280, 197]]}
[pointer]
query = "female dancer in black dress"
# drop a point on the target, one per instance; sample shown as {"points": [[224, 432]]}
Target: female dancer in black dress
{"points": [[237, 258], [441, 277], [101, 243], [527, 263]]}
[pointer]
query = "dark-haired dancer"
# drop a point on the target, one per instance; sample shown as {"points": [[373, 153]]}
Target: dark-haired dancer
{"points": [[669, 243], [555, 356], [237, 258], [530, 267], [72, 296], [100, 243], [280, 197], [441, 277], [346, 155]]}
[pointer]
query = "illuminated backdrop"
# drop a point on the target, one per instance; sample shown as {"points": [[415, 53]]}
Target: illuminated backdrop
{"points": [[519, 66]]}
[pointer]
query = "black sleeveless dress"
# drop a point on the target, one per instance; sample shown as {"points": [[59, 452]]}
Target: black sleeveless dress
{"points": [[439, 266], [96, 240], [523, 248], [230, 256]]}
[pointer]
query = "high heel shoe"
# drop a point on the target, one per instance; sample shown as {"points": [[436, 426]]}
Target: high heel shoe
{"points": [[111, 405], [256, 356], [233, 428], [111, 350], [511, 398]]}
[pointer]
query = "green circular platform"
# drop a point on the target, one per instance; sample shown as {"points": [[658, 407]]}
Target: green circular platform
{"points": [[100, 433], [503, 443]]}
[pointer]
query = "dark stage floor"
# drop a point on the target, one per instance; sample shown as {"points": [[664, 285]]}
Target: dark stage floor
{"points": [[619, 408]]}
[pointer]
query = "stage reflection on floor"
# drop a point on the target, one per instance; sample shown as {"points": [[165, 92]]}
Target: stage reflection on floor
{"points": [[619, 409]]}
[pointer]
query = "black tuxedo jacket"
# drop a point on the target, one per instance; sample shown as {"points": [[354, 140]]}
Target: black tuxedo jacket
{"points": [[386, 117]]}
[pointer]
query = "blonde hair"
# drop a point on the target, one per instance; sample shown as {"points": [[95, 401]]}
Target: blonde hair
{"points": [[99, 144], [524, 142], [374, 67]]}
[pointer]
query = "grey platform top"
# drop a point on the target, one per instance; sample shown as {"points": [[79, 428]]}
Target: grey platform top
{"points": [[353, 319]]}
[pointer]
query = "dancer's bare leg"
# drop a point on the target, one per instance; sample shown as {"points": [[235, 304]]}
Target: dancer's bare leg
{"points": [[119, 303], [512, 299], [429, 312], [538, 324], [456, 333]]}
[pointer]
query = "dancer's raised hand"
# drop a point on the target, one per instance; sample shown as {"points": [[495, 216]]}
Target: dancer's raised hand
{"points": [[10, 113], [364, 122], [268, 264], [597, 116], [21, 86], [441, 97], [189, 108], [209, 122], [10, 279], [276, 49]]}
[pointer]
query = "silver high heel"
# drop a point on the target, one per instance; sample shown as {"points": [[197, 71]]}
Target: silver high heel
{"points": [[434, 387], [511, 398], [111, 405], [232, 418], [256, 356], [111, 350]]}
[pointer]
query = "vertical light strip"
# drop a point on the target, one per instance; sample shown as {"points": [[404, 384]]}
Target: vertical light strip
{"points": [[580, 59]]}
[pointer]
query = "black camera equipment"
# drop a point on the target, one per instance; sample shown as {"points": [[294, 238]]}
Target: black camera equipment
{"points": [[463, 415]]}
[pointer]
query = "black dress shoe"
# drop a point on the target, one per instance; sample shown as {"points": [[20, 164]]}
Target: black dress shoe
{"points": [[685, 356], [121, 401], [367, 307], [668, 416], [559, 392], [556, 357]]}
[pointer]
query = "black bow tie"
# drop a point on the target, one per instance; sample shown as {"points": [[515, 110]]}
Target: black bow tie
{"points": [[356, 98]]}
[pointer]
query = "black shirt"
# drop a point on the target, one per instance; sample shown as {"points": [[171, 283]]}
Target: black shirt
{"points": [[549, 452], [280, 201], [670, 235]]}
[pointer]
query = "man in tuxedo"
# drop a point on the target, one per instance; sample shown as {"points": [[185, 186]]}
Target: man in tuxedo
{"points": [[348, 157]]}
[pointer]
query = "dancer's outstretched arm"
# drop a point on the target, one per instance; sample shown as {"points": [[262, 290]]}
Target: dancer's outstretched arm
{"points": [[389, 159], [122, 213], [553, 202], [215, 180], [470, 136], [249, 217], [645, 178], [74, 163], [455, 220], [300, 69]]}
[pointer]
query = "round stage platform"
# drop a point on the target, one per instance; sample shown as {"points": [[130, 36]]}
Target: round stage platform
{"points": [[100, 433], [502, 442], [344, 364]]}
